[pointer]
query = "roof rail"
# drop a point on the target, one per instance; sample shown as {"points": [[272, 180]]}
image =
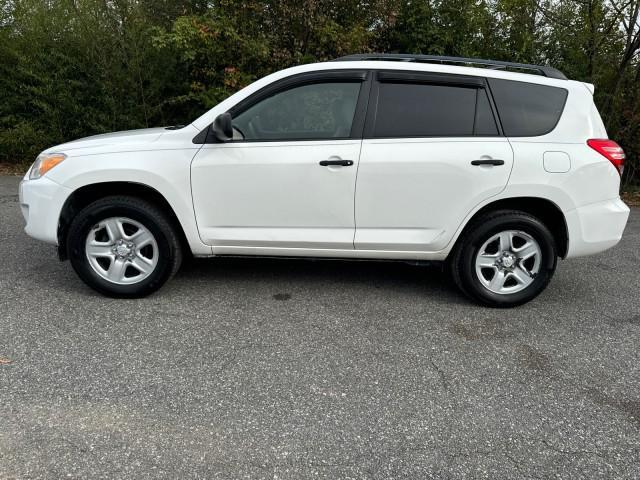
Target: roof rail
{"points": [[492, 64]]}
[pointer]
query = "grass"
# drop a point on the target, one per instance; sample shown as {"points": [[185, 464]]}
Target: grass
{"points": [[14, 168], [631, 194]]}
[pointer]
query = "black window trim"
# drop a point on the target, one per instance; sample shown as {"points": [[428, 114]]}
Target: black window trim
{"points": [[298, 80], [494, 108], [431, 78]]}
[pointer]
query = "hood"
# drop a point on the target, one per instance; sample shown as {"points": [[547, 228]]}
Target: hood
{"points": [[116, 141]]}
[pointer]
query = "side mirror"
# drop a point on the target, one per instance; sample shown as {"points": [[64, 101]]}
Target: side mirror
{"points": [[223, 128]]}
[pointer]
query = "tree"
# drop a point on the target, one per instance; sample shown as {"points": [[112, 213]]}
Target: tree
{"points": [[70, 68]]}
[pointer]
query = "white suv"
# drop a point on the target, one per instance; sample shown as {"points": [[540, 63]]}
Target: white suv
{"points": [[404, 157]]}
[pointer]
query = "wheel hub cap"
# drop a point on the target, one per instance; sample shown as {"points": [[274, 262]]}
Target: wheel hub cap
{"points": [[508, 262], [121, 250]]}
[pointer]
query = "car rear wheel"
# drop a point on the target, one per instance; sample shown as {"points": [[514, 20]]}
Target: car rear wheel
{"points": [[123, 246], [504, 259]]}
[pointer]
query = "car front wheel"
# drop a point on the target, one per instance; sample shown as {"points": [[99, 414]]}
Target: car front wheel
{"points": [[123, 247]]}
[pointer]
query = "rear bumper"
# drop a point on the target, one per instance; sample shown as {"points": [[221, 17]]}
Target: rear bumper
{"points": [[41, 202], [596, 227]]}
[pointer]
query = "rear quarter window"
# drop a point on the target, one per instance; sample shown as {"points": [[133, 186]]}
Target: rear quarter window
{"points": [[527, 109]]}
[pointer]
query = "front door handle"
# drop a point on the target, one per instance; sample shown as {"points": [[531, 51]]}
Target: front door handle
{"points": [[487, 161], [342, 163]]}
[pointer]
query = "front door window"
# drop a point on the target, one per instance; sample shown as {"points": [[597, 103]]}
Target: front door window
{"points": [[317, 111]]}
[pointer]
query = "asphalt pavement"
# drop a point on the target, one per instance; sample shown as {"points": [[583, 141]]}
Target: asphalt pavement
{"points": [[260, 368]]}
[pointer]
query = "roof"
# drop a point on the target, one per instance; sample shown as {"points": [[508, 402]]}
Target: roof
{"points": [[527, 68]]}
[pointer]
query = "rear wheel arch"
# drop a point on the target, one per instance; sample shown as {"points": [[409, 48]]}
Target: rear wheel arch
{"points": [[85, 195], [545, 210]]}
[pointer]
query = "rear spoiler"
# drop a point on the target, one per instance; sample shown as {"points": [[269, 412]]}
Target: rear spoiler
{"points": [[590, 87]]}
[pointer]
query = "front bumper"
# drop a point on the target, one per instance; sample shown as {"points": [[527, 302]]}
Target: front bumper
{"points": [[596, 227], [41, 202]]}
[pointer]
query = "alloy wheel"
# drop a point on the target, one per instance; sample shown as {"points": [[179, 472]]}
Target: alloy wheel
{"points": [[508, 262], [121, 250]]}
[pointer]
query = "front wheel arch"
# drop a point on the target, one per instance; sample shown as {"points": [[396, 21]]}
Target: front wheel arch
{"points": [[88, 194]]}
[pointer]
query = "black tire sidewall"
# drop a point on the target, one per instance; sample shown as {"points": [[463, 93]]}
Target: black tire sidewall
{"points": [[482, 232], [97, 212]]}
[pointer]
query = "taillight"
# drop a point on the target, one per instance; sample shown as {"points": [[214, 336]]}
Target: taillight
{"points": [[610, 150]]}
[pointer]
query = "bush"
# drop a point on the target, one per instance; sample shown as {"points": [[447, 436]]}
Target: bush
{"points": [[74, 68]]}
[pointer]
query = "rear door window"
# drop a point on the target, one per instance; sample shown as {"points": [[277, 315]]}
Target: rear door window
{"points": [[432, 110], [527, 109]]}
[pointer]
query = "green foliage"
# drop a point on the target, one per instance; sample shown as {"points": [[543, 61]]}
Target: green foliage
{"points": [[70, 68]]}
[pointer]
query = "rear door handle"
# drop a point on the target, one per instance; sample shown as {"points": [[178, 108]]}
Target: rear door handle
{"points": [[487, 161], [342, 163]]}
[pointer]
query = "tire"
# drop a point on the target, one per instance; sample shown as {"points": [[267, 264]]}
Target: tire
{"points": [[123, 247], [520, 272]]}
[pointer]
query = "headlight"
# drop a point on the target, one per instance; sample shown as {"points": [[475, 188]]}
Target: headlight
{"points": [[44, 163]]}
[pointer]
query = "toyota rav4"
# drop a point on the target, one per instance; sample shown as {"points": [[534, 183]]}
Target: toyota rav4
{"points": [[495, 168]]}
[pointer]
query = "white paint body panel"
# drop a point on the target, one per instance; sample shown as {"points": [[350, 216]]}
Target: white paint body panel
{"points": [[413, 194], [41, 203], [157, 158], [556, 162], [275, 194], [403, 199]]}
